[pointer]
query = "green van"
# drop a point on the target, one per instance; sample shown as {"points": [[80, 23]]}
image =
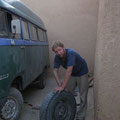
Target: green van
{"points": [[24, 55]]}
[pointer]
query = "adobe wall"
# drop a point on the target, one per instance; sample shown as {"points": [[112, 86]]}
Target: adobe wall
{"points": [[74, 22], [107, 62]]}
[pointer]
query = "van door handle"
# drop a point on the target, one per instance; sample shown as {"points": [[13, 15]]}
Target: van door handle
{"points": [[22, 47]]}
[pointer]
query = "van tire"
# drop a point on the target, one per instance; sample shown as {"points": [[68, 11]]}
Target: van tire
{"points": [[58, 106], [15, 103], [42, 80]]}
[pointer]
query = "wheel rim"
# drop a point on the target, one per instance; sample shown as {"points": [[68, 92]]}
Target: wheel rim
{"points": [[61, 110], [9, 109]]}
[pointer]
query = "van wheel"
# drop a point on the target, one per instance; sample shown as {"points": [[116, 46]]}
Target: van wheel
{"points": [[58, 106], [42, 80], [12, 107]]}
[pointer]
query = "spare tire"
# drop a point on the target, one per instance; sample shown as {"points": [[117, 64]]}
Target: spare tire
{"points": [[58, 106]]}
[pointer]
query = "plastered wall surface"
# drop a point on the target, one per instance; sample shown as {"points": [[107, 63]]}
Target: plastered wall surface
{"points": [[107, 62], [73, 22]]}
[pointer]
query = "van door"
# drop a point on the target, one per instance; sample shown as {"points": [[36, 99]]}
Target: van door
{"points": [[27, 47], [15, 50], [35, 52]]}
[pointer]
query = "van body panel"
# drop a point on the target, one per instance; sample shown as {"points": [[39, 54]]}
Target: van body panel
{"points": [[21, 59], [12, 63]]}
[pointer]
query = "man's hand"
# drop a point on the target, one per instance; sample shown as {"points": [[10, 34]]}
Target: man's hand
{"points": [[57, 77], [59, 89], [62, 86]]}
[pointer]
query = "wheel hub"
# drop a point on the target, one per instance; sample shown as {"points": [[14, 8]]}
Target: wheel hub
{"points": [[61, 111], [9, 109]]}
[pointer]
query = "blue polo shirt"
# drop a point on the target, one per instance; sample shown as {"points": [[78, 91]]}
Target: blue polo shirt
{"points": [[72, 59]]}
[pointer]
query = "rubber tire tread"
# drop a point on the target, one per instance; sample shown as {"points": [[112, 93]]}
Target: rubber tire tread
{"points": [[42, 80], [18, 96], [48, 100]]}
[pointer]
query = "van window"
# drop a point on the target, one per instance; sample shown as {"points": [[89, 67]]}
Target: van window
{"points": [[11, 17], [33, 32], [3, 25], [40, 34], [44, 36], [25, 30]]}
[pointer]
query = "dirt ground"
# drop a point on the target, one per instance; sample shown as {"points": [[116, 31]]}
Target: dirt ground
{"points": [[33, 97]]}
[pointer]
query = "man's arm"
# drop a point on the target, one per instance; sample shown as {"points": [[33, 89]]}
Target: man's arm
{"points": [[57, 77], [67, 76]]}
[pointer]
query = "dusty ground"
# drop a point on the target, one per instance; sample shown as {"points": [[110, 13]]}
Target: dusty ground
{"points": [[35, 96]]}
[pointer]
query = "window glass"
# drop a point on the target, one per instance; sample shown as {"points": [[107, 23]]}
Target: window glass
{"points": [[25, 30], [17, 36], [3, 25], [44, 36], [10, 18], [33, 32], [40, 34]]}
